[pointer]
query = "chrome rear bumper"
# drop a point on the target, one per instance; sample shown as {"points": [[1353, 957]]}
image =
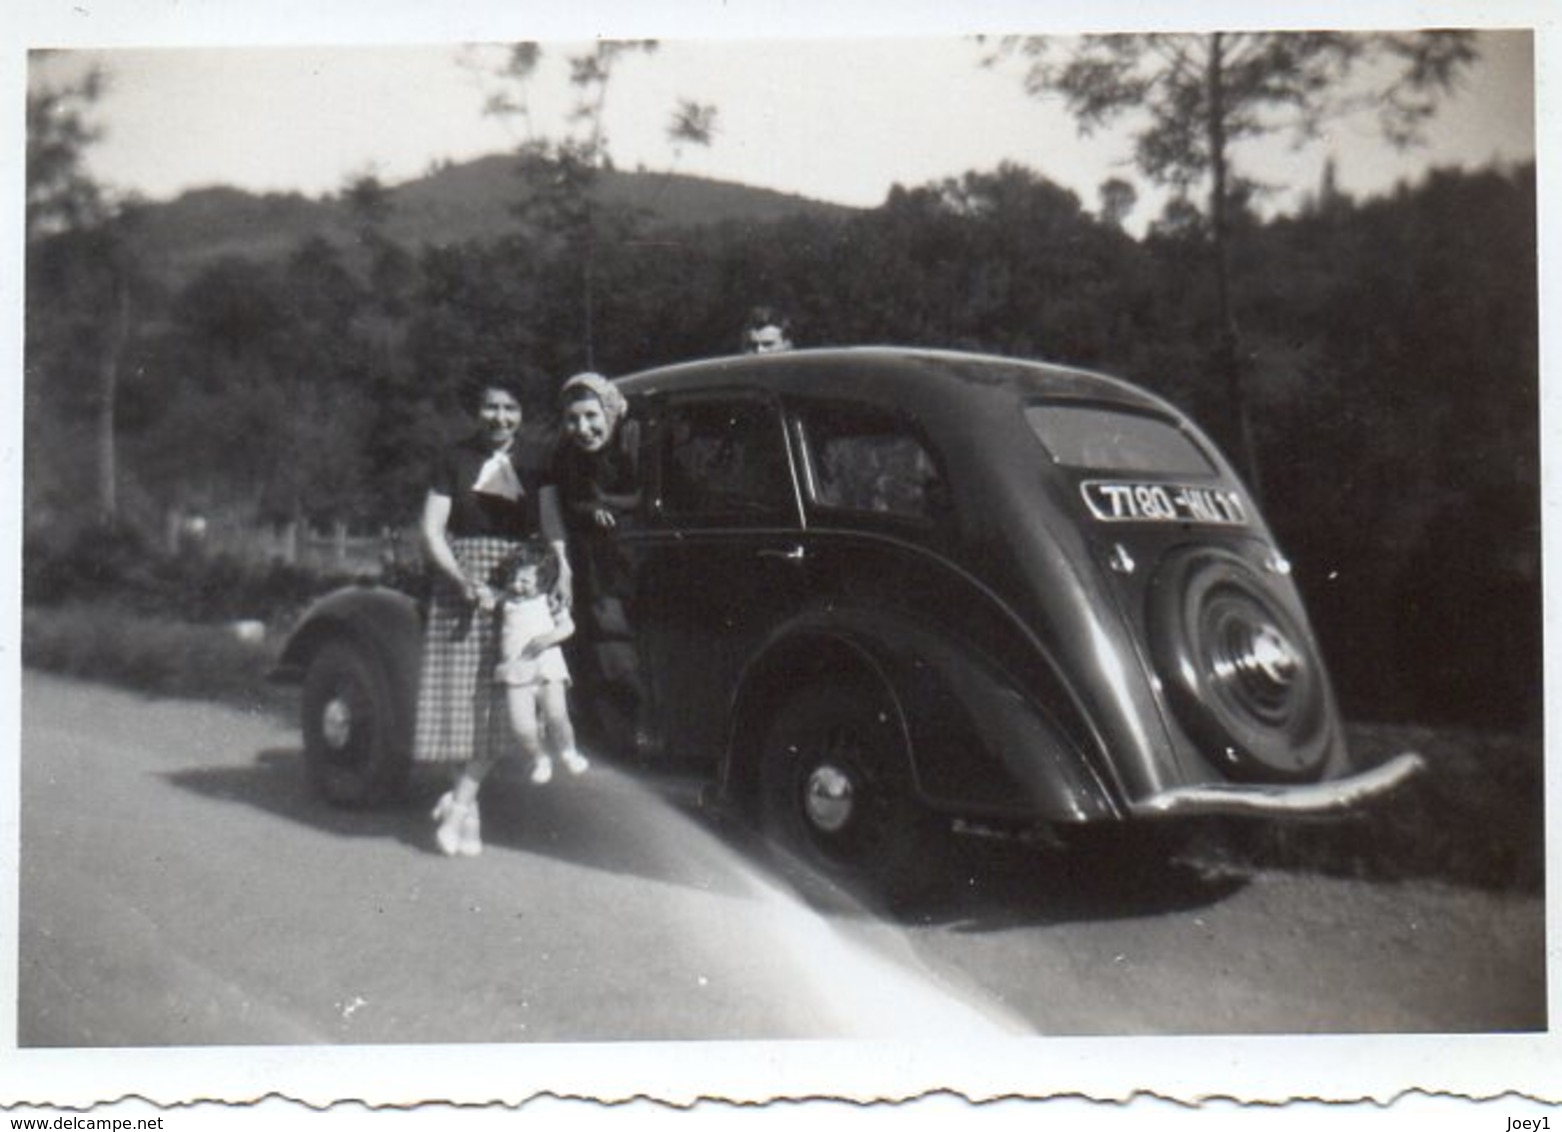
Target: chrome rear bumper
{"points": [[1319, 798]]}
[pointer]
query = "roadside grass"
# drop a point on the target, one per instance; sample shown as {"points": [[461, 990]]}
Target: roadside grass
{"points": [[109, 604], [1475, 817], [148, 653]]}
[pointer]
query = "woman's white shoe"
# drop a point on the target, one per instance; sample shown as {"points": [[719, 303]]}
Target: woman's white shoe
{"points": [[471, 831], [451, 816]]}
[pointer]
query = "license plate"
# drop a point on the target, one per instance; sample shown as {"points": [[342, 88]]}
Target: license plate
{"points": [[1163, 503]]}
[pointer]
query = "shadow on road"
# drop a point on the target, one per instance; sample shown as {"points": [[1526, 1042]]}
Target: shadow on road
{"points": [[994, 886], [616, 822], [275, 783], [981, 884], [607, 820]]}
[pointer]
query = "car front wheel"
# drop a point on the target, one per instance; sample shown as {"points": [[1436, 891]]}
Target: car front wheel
{"points": [[352, 749], [837, 794]]}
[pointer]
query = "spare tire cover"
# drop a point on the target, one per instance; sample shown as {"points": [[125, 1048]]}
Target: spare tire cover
{"points": [[1241, 670]]}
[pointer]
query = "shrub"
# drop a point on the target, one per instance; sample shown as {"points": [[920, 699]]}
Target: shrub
{"points": [[118, 565], [1475, 816], [100, 641], [150, 654]]}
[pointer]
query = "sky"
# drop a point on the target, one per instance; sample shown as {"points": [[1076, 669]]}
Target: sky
{"points": [[835, 111]]}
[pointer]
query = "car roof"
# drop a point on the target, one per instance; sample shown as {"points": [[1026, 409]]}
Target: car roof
{"points": [[899, 376]]}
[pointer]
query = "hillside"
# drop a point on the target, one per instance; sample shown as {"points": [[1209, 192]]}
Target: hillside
{"points": [[453, 204], [473, 200]]}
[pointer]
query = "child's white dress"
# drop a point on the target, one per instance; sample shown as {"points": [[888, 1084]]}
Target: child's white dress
{"points": [[524, 618]]}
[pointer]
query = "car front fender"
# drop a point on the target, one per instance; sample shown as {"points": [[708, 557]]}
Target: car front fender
{"points": [[386, 623]]}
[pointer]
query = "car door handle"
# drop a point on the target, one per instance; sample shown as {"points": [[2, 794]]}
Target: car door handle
{"points": [[796, 554]]}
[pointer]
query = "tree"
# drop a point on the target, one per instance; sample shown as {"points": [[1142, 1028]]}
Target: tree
{"points": [[692, 123], [560, 175], [61, 196], [1196, 95], [369, 203], [1118, 198], [81, 250]]}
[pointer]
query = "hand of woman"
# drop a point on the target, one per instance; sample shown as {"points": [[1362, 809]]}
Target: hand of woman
{"points": [[604, 518], [563, 591]]}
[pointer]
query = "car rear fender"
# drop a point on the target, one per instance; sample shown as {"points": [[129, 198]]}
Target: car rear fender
{"points": [[979, 746]]}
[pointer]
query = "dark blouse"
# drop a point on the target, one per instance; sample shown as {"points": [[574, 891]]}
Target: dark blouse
{"points": [[475, 514], [591, 480]]}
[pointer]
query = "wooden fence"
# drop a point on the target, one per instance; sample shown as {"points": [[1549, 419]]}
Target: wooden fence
{"points": [[335, 549]]}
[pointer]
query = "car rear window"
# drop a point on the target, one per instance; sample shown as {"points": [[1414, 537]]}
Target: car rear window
{"points": [[1107, 440]]}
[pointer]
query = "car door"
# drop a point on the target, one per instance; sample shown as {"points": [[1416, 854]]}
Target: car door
{"points": [[724, 562]]}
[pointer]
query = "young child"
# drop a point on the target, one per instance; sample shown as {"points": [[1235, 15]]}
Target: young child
{"points": [[535, 677], [531, 667]]}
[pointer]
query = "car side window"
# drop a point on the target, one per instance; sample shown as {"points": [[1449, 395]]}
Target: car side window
{"points": [[725, 460], [868, 461]]}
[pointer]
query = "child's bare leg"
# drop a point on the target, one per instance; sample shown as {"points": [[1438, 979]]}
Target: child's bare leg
{"points": [[561, 732], [523, 724]]}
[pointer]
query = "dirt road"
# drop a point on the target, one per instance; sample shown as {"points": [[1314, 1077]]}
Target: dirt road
{"points": [[181, 886]]}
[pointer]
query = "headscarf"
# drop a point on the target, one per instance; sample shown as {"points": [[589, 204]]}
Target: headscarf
{"points": [[614, 406]]}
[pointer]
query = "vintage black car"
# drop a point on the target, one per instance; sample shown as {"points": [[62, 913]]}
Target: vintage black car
{"points": [[882, 591]]}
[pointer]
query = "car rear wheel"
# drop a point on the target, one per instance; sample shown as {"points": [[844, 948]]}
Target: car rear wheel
{"points": [[1241, 670], [353, 752], [836, 792]]}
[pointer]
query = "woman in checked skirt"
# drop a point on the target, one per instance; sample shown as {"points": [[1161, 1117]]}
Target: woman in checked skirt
{"points": [[482, 503]]}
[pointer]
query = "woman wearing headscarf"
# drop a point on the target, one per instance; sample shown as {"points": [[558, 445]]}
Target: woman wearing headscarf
{"points": [[596, 472]]}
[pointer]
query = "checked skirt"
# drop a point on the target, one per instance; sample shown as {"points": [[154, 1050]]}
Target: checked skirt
{"points": [[459, 714]]}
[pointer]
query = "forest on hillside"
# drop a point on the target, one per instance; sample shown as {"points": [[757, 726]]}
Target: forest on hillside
{"points": [[1388, 349], [1391, 346], [1395, 339]]}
